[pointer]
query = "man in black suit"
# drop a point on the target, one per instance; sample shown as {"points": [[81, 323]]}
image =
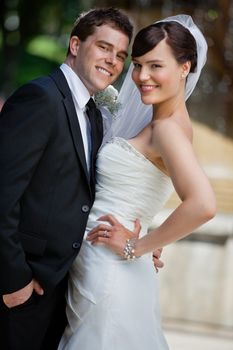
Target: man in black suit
{"points": [[48, 145]]}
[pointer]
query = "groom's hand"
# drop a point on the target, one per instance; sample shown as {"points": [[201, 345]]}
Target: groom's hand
{"points": [[158, 264], [114, 234], [22, 295]]}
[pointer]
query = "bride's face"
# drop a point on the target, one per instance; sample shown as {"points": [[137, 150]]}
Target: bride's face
{"points": [[158, 75]]}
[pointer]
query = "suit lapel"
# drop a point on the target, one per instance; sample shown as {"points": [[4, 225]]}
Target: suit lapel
{"points": [[76, 133], [62, 85]]}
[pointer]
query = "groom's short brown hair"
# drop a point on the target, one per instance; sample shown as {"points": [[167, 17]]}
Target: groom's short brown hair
{"points": [[86, 23]]}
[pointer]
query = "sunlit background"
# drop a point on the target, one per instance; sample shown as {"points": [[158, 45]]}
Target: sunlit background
{"points": [[197, 280]]}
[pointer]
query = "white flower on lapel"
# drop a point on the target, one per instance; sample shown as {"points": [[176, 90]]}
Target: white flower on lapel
{"points": [[108, 99]]}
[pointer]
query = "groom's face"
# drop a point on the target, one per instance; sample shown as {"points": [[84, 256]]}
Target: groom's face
{"points": [[99, 60]]}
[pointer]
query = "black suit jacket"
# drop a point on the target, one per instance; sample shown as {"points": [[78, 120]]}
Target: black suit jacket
{"points": [[45, 190]]}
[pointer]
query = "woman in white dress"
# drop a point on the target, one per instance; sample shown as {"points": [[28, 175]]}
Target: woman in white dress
{"points": [[112, 299]]}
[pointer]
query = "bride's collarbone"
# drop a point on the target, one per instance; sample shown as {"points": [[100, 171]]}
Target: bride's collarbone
{"points": [[158, 163], [156, 159], [149, 152]]}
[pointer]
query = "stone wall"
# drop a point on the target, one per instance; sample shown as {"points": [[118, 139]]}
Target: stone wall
{"points": [[197, 280]]}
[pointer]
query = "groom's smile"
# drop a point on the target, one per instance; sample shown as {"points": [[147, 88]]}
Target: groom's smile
{"points": [[99, 60], [104, 71]]}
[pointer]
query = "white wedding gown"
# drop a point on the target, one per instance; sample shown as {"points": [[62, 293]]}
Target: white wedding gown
{"points": [[112, 303]]}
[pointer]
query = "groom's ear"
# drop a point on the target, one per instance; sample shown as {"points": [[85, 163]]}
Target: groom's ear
{"points": [[74, 45]]}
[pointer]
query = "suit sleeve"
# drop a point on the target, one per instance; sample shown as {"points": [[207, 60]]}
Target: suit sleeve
{"points": [[25, 128]]}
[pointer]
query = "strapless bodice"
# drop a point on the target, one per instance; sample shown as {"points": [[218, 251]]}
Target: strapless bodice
{"points": [[128, 185]]}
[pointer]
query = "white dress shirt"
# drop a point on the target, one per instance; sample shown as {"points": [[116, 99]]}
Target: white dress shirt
{"points": [[80, 97]]}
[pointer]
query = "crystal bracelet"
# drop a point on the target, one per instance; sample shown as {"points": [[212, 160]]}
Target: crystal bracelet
{"points": [[129, 249]]}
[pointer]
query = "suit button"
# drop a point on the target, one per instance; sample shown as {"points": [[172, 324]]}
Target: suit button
{"points": [[76, 245], [85, 208]]}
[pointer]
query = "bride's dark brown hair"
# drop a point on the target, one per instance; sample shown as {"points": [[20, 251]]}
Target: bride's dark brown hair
{"points": [[180, 40]]}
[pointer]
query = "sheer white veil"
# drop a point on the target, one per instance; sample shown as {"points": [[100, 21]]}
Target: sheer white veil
{"points": [[133, 115]]}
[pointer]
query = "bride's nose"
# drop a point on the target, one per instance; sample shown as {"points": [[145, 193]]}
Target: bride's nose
{"points": [[144, 74]]}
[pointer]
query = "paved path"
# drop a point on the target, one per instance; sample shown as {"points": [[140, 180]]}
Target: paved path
{"points": [[188, 341]]}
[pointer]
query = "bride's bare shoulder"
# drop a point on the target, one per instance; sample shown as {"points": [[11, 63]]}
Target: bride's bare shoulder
{"points": [[172, 129]]}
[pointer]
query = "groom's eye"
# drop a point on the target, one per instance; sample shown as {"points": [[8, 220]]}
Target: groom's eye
{"points": [[104, 47], [121, 57]]}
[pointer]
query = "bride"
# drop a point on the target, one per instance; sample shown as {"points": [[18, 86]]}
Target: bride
{"points": [[113, 294]]}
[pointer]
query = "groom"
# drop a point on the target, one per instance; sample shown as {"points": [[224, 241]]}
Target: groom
{"points": [[49, 138]]}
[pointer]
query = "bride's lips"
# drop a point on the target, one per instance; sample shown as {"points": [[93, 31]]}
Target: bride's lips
{"points": [[148, 88], [104, 71]]}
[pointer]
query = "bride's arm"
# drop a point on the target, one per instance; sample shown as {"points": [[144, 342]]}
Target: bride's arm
{"points": [[191, 184]]}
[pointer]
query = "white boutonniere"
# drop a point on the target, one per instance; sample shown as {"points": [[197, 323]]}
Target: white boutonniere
{"points": [[108, 99]]}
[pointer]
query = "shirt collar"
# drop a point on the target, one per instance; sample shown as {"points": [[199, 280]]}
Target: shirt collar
{"points": [[78, 89]]}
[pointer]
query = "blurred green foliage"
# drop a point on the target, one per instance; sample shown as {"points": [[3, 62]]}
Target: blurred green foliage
{"points": [[34, 37]]}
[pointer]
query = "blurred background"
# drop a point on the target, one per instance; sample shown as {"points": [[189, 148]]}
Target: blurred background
{"points": [[197, 280]]}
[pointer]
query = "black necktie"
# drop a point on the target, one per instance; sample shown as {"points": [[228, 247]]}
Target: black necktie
{"points": [[96, 123]]}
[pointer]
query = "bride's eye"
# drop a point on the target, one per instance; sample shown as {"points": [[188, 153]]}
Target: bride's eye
{"points": [[136, 65], [156, 65]]}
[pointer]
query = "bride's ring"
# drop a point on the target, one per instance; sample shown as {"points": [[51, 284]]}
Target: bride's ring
{"points": [[105, 234]]}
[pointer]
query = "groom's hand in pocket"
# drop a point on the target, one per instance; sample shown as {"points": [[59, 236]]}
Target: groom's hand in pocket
{"points": [[22, 295]]}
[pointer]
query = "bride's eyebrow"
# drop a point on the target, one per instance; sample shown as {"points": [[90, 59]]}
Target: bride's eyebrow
{"points": [[150, 61], [154, 61]]}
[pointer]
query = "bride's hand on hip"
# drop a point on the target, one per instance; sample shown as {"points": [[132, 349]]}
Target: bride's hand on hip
{"points": [[114, 236]]}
